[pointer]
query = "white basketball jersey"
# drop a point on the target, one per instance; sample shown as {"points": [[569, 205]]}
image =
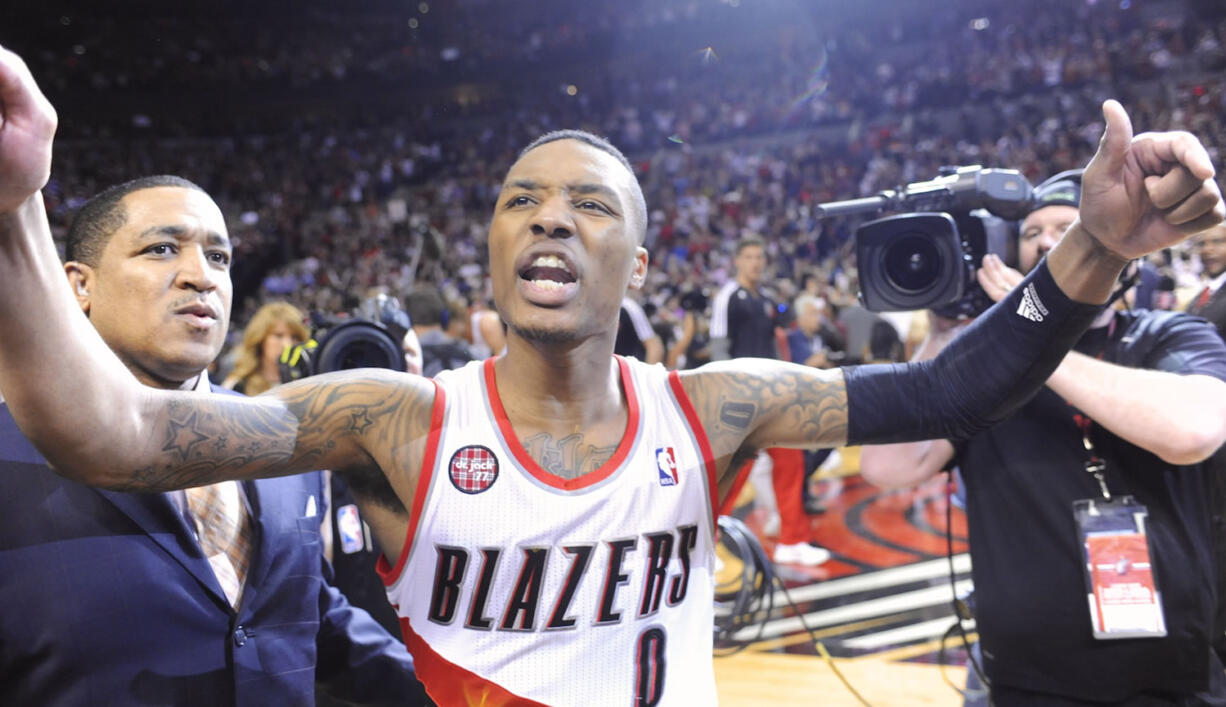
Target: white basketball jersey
{"points": [[519, 587]]}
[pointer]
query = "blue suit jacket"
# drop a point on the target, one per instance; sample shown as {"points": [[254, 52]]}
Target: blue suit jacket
{"points": [[107, 600]]}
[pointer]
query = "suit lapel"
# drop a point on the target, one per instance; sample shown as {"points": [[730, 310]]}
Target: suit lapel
{"points": [[257, 569], [161, 521], [1216, 307]]}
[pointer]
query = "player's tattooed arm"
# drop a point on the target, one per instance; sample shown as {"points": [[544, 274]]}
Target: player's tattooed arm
{"points": [[751, 404], [356, 421]]}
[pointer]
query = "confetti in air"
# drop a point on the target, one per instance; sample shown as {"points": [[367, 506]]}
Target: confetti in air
{"points": [[708, 55], [676, 138]]}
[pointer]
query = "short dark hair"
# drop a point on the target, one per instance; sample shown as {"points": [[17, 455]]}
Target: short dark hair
{"points": [[98, 219], [426, 307], [749, 242], [583, 136], [884, 343]]}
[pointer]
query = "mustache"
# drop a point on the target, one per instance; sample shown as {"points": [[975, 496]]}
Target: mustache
{"points": [[197, 301]]}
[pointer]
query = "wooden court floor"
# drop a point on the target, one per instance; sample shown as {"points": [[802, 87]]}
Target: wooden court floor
{"points": [[879, 606], [751, 679]]}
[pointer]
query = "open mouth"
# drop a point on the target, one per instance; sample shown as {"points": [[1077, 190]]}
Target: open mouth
{"points": [[548, 272]]}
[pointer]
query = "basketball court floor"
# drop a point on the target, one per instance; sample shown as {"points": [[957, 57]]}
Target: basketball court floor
{"points": [[881, 607]]}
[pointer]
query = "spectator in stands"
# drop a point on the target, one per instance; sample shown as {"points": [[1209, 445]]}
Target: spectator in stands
{"points": [[275, 327], [814, 339], [1210, 302]]}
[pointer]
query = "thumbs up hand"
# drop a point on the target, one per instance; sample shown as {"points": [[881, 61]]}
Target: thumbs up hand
{"points": [[1144, 193]]}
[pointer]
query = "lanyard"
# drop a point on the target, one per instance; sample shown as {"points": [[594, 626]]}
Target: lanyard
{"points": [[1094, 464]]}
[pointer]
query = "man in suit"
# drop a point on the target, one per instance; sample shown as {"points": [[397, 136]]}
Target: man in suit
{"points": [[1210, 303], [213, 596]]}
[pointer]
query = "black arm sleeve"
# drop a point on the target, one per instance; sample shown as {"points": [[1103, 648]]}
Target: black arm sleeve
{"points": [[998, 363]]}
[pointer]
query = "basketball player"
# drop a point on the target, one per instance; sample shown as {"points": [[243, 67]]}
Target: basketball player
{"points": [[547, 515]]}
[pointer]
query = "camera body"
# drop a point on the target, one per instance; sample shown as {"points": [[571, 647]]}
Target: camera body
{"points": [[370, 338], [928, 261], [925, 257], [694, 301]]}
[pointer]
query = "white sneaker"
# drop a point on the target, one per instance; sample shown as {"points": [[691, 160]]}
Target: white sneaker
{"points": [[801, 554], [772, 525]]}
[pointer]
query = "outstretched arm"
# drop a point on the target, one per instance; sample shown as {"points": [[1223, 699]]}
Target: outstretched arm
{"points": [[352, 420], [91, 418], [909, 463]]}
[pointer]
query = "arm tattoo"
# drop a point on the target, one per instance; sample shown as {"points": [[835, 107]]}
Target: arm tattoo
{"points": [[805, 409], [765, 404], [364, 421], [568, 457], [737, 415]]}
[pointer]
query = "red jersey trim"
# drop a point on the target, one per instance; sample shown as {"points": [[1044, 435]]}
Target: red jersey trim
{"points": [[700, 434], [388, 573], [529, 464], [450, 684]]}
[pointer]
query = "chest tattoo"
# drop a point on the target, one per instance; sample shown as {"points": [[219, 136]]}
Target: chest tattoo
{"points": [[569, 457]]}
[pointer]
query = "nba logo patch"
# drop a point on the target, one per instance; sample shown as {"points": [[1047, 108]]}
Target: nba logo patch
{"points": [[473, 469], [666, 463], [349, 528]]}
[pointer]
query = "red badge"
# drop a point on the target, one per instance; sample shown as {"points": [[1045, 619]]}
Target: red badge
{"points": [[473, 469]]}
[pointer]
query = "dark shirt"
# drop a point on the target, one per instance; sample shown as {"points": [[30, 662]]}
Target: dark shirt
{"points": [[801, 346], [440, 352], [747, 319], [633, 331], [1022, 477]]}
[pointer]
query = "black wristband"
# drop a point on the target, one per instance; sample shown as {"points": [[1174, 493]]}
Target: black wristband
{"points": [[995, 365]]}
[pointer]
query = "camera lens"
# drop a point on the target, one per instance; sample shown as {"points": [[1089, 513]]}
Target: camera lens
{"points": [[359, 344], [912, 263]]}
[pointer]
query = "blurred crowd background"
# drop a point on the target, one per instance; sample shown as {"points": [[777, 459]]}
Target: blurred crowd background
{"points": [[356, 147]]}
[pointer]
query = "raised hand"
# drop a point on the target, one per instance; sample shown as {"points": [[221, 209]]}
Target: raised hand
{"points": [[27, 125], [1141, 194]]}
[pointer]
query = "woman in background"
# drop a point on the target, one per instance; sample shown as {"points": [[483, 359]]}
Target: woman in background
{"points": [[275, 326]]}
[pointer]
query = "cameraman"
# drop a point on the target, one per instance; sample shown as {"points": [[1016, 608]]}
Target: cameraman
{"points": [[692, 346], [1147, 390]]}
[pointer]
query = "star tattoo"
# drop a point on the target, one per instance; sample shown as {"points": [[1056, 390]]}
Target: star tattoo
{"points": [[360, 421], [183, 436]]}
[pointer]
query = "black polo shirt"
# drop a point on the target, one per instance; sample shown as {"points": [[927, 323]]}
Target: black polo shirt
{"points": [[1022, 477], [747, 319]]}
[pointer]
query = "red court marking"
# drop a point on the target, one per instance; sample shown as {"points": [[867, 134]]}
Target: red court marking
{"points": [[934, 513], [831, 531], [888, 520]]}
